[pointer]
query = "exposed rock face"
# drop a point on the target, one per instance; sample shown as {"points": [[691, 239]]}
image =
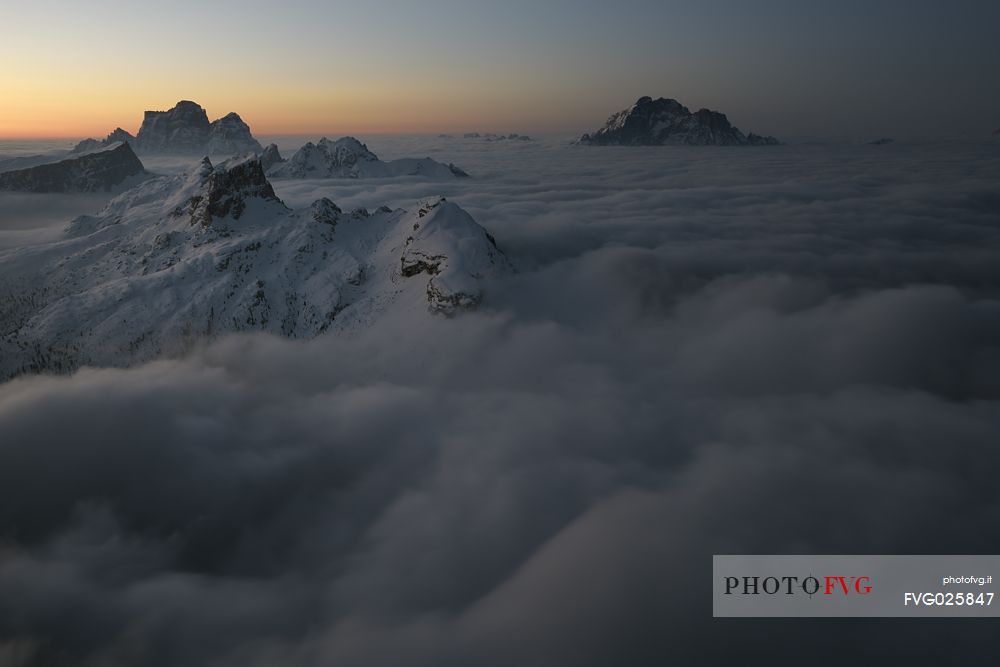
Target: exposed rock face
{"points": [[182, 129], [349, 158], [270, 157], [118, 135], [188, 257], [100, 170], [185, 129], [230, 135], [225, 190], [664, 121]]}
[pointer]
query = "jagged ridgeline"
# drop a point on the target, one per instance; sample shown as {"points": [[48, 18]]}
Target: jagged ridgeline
{"points": [[663, 122], [178, 259], [183, 130], [349, 158]]}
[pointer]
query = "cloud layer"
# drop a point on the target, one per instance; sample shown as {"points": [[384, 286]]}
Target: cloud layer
{"points": [[705, 351]]}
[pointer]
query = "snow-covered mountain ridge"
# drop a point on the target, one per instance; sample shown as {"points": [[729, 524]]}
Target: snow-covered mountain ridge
{"points": [[349, 158], [182, 258]]}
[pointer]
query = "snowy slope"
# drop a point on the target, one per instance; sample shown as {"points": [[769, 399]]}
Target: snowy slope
{"points": [[349, 158], [181, 258]]}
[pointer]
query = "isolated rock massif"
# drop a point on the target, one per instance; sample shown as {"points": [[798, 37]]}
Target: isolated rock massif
{"points": [[100, 170], [349, 158], [182, 258], [185, 129], [664, 121]]}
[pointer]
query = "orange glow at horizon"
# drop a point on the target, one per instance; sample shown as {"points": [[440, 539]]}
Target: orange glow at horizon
{"points": [[35, 110]]}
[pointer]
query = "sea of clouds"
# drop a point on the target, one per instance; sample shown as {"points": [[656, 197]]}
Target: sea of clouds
{"points": [[704, 350]]}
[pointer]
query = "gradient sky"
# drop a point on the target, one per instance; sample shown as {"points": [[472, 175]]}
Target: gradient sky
{"points": [[784, 67]]}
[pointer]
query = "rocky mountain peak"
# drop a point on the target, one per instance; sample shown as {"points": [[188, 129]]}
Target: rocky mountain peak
{"points": [[325, 211], [270, 157], [115, 136], [225, 190], [346, 151], [229, 135], [348, 157], [664, 121], [185, 129], [182, 129]]}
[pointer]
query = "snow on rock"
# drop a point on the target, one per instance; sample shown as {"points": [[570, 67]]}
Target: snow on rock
{"points": [[118, 135], [183, 258], [185, 129], [226, 190], [102, 169], [270, 157], [349, 158], [447, 244], [660, 122]]}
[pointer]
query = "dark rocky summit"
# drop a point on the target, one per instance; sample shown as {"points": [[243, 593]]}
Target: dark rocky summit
{"points": [[185, 129], [664, 121], [226, 189], [100, 170]]}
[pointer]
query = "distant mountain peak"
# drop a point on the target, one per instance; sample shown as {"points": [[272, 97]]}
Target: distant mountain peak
{"points": [[348, 157], [185, 129], [270, 157], [665, 121], [115, 136], [101, 169]]}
